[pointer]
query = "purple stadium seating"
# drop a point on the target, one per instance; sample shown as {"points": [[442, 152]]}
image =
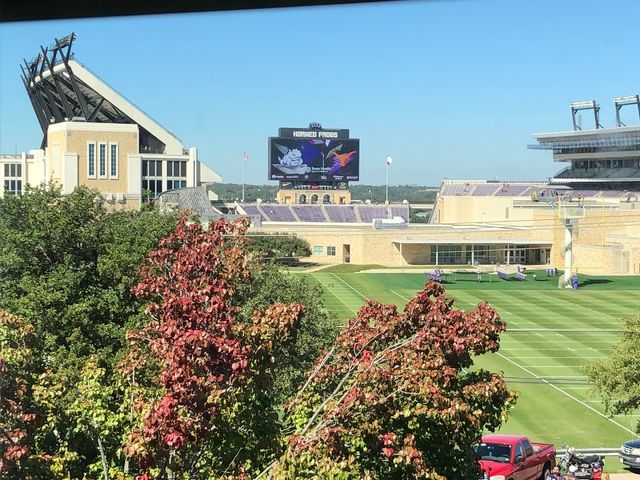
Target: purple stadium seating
{"points": [[369, 212], [341, 213], [252, 210], [456, 189], [485, 190], [309, 213], [400, 211], [277, 213], [508, 190]]}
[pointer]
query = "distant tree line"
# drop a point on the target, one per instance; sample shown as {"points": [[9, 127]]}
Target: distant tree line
{"points": [[230, 192]]}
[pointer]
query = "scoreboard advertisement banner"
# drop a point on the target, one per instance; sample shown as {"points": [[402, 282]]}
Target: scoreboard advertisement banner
{"points": [[313, 159]]}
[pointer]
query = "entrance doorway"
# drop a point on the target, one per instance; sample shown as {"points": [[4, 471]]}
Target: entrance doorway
{"points": [[517, 255], [346, 253]]}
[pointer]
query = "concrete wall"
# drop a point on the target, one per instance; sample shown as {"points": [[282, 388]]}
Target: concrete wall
{"points": [[467, 209], [606, 242]]}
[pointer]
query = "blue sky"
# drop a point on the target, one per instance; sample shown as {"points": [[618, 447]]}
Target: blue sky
{"points": [[449, 89]]}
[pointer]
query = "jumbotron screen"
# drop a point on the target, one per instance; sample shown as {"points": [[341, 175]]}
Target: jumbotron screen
{"points": [[314, 159]]}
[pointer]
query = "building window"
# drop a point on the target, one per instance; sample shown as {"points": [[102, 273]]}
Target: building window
{"points": [[481, 254], [447, 254], [13, 170], [151, 189], [13, 178], [176, 168], [152, 168], [13, 187], [171, 184], [177, 174], [151, 179], [91, 160], [331, 251], [113, 160], [102, 160], [317, 250]]}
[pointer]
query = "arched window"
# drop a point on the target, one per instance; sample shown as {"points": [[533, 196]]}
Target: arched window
{"points": [[302, 198], [326, 198], [314, 198]]}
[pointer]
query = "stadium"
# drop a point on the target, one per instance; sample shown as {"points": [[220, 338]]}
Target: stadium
{"points": [[583, 219]]}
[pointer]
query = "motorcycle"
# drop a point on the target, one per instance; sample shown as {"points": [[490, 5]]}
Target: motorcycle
{"points": [[582, 467]]}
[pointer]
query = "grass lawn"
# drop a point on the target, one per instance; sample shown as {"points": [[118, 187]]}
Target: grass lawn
{"points": [[551, 334]]}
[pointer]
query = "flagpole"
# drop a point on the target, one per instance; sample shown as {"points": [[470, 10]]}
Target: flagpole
{"points": [[243, 165]]}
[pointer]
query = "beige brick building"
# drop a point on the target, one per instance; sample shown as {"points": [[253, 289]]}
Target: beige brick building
{"points": [[93, 136]]}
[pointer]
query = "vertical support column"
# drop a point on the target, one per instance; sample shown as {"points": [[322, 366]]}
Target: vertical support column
{"points": [[473, 259], [437, 255], [568, 252]]}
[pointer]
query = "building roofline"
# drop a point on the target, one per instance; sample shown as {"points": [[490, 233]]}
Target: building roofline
{"points": [[588, 133]]}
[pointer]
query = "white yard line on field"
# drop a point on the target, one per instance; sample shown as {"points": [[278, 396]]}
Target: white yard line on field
{"points": [[348, 285], [566, 393], [583, 330], [548, 349], [342, 301], [553, 358], [402, 297]]}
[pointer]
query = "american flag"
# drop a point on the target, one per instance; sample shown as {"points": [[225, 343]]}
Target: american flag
{"points": [[389, 160], [245, 157]]}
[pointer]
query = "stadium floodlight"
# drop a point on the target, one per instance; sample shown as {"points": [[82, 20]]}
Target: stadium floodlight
{"points": [[584, 105], [619, 102], [628, 100], [588, 105]]}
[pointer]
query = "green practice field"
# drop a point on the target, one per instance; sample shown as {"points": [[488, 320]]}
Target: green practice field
{"points": [[551, 334]]}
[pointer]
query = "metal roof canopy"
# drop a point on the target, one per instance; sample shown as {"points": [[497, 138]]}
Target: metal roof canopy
{"points": [[61, 89], [459, 241]]}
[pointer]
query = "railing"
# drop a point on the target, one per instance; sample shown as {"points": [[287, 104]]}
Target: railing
{"points": [[602, 451]]}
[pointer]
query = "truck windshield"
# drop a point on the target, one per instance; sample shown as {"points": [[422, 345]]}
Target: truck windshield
{"points": [[494, 452]]}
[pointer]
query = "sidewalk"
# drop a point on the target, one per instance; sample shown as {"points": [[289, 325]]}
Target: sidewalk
{"points": [[624, 476]]}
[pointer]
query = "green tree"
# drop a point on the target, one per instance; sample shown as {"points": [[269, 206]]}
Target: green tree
{"points": [[279, 245], [66, 268], [615, 378]]}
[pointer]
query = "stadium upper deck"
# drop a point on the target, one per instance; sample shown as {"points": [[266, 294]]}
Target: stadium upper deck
{"points": [[61, 89], [600, 158]]}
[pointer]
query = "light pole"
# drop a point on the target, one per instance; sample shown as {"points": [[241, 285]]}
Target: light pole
{"points": [[245, 160], [389, 160]]}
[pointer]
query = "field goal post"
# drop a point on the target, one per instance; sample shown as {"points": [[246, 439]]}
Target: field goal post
{"points": [[569, 215]]}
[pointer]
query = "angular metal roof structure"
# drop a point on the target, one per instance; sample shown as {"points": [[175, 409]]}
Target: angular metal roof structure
{"points": [[62, 89]]}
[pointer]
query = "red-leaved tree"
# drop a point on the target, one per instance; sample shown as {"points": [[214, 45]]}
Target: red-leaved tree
{"points": [[395, 397], [17, 417], [195, 361]]}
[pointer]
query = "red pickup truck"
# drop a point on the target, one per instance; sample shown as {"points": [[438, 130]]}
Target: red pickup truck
{"points": [[514, 457]]}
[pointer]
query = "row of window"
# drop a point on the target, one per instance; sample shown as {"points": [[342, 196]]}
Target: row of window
{"points": [[318, 250], [13, 187], [153, 168], [152, 187], [97, 160], [12, 170], [152, 179], [457, 255]]}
